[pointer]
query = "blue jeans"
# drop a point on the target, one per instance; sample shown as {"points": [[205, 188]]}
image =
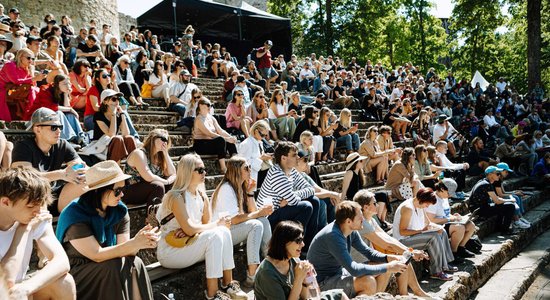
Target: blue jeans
{"points": [[74, 123], [89, 122], [131, 128], [351, 141], [326, 213], [68, 132], [177, 107], [306, 212]]}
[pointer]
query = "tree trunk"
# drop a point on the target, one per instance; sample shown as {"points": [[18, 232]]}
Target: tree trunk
{"points": [[533, 42], [328, 36], [321, 20], [422, 34]]}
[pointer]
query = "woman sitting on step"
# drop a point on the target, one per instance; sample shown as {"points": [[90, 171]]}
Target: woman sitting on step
{"points": [[81, 80], [151, 168], [413, 228], [126, 83], [377, 159], [190, 234], [235, 196], [95, 233], [110, 120], [209, 138]]}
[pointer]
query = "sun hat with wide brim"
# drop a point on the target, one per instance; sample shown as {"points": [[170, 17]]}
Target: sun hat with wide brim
{"points": [[9, 43], [353, 158], [103, 174]]}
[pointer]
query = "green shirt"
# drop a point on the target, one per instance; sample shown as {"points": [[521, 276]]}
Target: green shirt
{"points": [[272, 285]]}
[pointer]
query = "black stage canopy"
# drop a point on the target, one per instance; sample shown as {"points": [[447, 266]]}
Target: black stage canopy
{"points": [[238, 28]]}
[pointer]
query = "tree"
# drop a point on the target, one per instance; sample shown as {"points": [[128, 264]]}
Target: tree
{"points": [[533, 42]]}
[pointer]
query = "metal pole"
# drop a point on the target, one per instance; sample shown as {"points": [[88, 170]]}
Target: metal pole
{"points": [[175, 21]]}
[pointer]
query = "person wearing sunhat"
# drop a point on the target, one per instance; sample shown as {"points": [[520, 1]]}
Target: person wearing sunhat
{"points": [[444, 130], [95, 233], [519, 221], [485, 201], [5, 46], [47, 153]]}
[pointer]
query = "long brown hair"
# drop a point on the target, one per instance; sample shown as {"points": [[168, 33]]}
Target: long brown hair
{"points": [[148, 147], [234, 178]]}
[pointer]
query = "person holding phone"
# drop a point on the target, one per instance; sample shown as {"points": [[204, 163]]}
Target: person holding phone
{"points": [[248, 222]]}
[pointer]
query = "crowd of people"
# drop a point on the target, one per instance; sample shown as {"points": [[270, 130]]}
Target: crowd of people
{"points": [[301, 238]]}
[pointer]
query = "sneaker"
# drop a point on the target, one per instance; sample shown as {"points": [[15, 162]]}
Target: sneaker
{"points": [[218, 296], [234, 291], [460, 195], [525, 221], [442, 276], [520, 225], [450, 269]]}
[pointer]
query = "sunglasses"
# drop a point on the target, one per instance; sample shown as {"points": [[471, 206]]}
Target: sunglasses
{"points": [[104, 76], [200, 170], [239, 94], [118, 191], [299, 240], [263, 135], [163, 139], [53, 127], [207, 104], [31, 58], [247, 168], [262, 97], [197, 97]]}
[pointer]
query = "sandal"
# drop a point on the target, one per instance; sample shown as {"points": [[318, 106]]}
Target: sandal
{"points": [[450, 269], [442, 276]]}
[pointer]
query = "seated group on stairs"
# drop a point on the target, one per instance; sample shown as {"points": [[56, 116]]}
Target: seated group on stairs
{"points": [[271, 197]]}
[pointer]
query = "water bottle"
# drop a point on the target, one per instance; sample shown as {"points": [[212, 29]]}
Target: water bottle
{"points": [[407, 257], [441, 175], [312, 286], [171, 296]]}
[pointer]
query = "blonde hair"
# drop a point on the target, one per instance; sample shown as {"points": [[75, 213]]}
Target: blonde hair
{"points": [[235, 180], [19, 56], [345, 118], [260, 124], [185, 169], [369, 130], [323, 121], [305, 135], [150, 141]]}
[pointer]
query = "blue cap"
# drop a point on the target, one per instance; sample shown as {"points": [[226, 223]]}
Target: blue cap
{"points": [[504, 166], [492, 169]]}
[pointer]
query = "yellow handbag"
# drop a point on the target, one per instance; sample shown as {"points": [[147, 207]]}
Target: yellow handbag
{"points": [[146, 90]]}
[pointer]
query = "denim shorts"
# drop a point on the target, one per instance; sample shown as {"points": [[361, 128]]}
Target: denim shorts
{"points": [[343, 281], [268, 73]]}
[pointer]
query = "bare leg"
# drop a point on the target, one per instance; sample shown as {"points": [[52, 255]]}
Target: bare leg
{"points": [[381, 211], [364, 285], [223, 168], [227, 277], [470, 229], [331, 150], [6, 156], [252, 269], [63, 289], [457, 234], [382, 282], [211, 286], [135, 287], [413, 282]]}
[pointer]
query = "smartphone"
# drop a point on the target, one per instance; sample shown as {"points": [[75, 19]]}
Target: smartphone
{"points": [[45, 71]]}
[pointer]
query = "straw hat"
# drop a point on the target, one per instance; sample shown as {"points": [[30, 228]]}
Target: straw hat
{"points": [[103, 174], [353, 158]]}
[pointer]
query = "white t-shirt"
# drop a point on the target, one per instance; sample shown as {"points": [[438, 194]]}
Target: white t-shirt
{"points": [[226, 202], [6, 238], [177, 88], [441, 209], [439, 130]]}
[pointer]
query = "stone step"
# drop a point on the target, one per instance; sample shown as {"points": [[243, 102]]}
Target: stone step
{"points": [[519, 273], [497, 251], [540, 288]]}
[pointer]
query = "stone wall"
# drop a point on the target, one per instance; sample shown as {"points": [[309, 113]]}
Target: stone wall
{"points": [[80, 11], [125, 21], [261, 4]]}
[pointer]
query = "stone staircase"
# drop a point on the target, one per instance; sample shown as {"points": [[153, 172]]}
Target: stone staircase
{"points": [[189, 283]]}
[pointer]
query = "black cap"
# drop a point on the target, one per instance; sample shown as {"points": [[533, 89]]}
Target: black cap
{"points": [[302, 154], [240, 79], [321, 95], [269, 43], [33, 38], [14, 10]]}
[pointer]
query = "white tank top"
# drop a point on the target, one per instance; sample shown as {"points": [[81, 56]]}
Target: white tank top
{"points": [[280, 111], [416, 222]]}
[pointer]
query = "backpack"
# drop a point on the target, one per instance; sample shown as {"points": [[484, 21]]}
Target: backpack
{"points": [[474, 245]]}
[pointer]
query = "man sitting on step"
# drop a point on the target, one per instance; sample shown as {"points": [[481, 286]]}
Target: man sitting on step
{"points": [[485, 198]]}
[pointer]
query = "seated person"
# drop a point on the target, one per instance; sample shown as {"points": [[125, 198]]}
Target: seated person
{"points": [[444, 131], [452, 170], [346, 134], [209, 138], [341, 100], [413, 228], [81, 82], [385, 142], [292, 197], [95, 233], [394, 119], [375, 237], [377, 158], [506, 152], [23, 192], [478, 159], [180, 93], [110, 120], [46, 152], [6, 149], [518, 220], [151, 169], [235, 115], [526, 148], [258, 108], [330, 255], [281, 275], [185, 212], [402, 180], [542, 169], [485, 201], [440, 213], [328, 198], [423, 168], [234, 195], [253, 151]]}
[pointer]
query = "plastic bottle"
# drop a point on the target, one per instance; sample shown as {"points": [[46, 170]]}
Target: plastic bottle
{"points": [[407, 257], [312, 286], [441, 175]]}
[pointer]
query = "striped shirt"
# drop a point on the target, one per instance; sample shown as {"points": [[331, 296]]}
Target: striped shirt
{"points": [[278, 186]]}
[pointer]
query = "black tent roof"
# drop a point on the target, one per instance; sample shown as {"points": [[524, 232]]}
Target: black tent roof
{"points": [[238, 28]]}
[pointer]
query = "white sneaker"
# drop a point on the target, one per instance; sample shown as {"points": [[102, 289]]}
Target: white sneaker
{"points": [[525, 221], [234, 291], [521, 225]]}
